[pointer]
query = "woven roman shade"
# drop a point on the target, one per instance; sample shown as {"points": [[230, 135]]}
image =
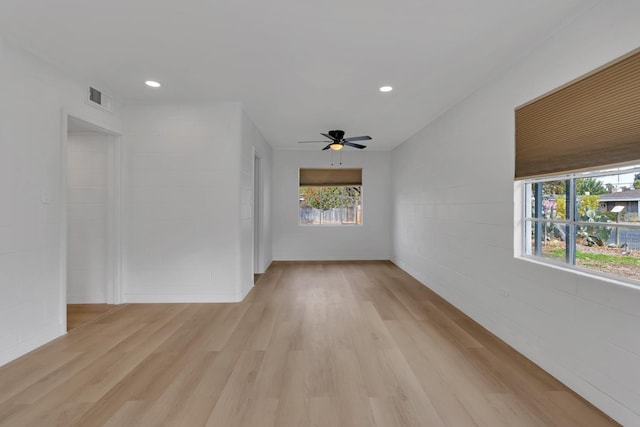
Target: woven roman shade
{"points": [[328, 177], [590, 122]]}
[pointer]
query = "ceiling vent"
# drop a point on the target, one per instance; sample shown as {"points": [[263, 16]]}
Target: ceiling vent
{"points": [[98, 99]]}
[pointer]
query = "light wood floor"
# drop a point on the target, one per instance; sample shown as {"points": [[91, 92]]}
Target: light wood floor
{"points": [[314, 344], [77, 314]]}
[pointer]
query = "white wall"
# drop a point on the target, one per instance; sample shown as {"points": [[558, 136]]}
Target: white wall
{"points": [[190, 200], [32, 262], [253, 143], [371, 240], [453, 225], [88, 196], [183, 181]]}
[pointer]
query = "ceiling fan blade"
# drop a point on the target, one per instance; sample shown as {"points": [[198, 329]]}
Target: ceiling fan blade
{"points": [[327, 147], [351, 144], [328, 136], [358, 138], [308, 142]]}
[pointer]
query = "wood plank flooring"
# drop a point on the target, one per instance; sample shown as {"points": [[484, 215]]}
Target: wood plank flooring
{"points": [[314, 344], [77, 314]]}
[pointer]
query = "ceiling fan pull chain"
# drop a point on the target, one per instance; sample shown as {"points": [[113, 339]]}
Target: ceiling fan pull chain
{"points": [[340, 157]]}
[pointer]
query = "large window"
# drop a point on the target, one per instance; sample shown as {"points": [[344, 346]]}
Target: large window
{"points": [[330, 196], [586, 220]]}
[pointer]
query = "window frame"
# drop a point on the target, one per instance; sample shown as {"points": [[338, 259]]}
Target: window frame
{"points": [[528, 220]]}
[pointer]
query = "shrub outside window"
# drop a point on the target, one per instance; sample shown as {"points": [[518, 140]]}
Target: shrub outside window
{"points": [[586, 220]]}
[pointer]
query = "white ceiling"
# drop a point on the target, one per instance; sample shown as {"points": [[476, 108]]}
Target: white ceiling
{"points": [[299, 67]]}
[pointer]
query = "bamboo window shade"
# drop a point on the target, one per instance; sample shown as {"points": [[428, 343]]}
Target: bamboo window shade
{"points": [[330, 177], [590, 122]]}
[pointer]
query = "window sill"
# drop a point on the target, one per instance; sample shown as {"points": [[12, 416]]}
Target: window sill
{"points": [[329, 225], [632, 284]]}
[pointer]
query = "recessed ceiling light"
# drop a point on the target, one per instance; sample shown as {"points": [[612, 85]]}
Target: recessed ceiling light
{"points": [[151, 83], [386, 89]]}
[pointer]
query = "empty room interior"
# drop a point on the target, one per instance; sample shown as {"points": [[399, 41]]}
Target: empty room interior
{"points": [[320, 214]]}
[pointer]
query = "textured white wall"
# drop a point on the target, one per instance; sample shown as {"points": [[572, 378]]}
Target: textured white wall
{"points": [[371, 240], [32, 282], [454, 215], [88, 195], [183, 180]]}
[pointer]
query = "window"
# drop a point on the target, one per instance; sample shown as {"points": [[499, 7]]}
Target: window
{"points": [[330, 196], [586, 220]]}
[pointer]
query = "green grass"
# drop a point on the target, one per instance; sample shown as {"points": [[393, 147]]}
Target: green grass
{"points": [[606, 258]]}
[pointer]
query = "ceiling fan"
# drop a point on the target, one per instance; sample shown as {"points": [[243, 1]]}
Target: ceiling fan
{"points": [[338, 141]]}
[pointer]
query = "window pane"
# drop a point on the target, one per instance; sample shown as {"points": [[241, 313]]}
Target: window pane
{"points": [[587, 219], [554, 241], [590, 186], [621, 196], [553, 188], [588, 193], [330, 205], [548, 239], [552, 198], [609, 249]]}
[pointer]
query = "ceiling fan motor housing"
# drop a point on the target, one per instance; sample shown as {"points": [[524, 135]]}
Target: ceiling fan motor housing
{"points": [[337, 134]]}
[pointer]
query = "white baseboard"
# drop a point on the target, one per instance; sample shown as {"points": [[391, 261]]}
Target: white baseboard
{"points": [[85, 299], [179, 298], [242, 294], [48, 334]]}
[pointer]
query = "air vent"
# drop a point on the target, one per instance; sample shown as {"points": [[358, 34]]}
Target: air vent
{"points": [[95, 95], [98, 99]]}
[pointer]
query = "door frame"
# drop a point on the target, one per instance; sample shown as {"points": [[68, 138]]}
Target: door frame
{"points": [[257, 225], [115, 219]]}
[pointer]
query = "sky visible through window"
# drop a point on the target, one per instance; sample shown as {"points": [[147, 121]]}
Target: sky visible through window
{"points": [[623, 176], [622, 180]]}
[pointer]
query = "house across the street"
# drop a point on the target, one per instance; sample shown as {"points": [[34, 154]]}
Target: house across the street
{"points": [[629, 199]]}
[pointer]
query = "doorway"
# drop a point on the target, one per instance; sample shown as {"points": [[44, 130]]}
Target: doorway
{"points": [[92, 188]]}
